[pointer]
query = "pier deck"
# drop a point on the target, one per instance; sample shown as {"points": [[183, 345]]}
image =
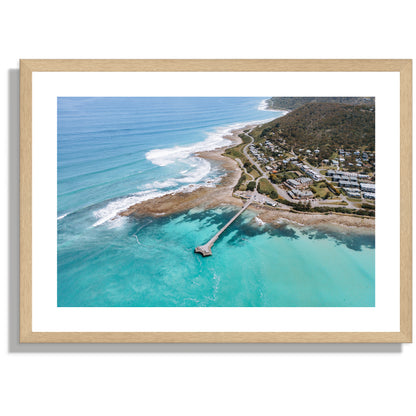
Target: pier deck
{"points": [[205, 249]]}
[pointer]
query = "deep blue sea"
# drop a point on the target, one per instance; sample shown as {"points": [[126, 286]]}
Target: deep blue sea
{"points": [[115, 152]]}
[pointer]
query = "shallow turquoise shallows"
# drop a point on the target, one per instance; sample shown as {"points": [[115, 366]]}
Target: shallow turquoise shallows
{"points": [[115, 152]]}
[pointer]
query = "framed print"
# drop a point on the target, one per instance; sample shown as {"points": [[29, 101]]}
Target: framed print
{"points": [[221, 201]]}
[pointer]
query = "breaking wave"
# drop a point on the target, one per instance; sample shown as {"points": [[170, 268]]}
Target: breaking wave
{"points": [[214, 140], [259, 221], [164, 157], [115, 207], [200, 168], [196, 173], [264, 106]]}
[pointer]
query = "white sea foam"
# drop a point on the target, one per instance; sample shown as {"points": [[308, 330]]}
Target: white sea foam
{"points": [[193, 177], [117, 222], [119, 205], [63, 216], [113, 208], [288, 221], [164, 157], [259, 221], [217, 280], [211, 183], [200, 168], [214, 140], [168, 183], [264, 106]]}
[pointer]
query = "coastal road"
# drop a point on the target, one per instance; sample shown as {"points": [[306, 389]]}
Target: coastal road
{"points": [[243, 168], [281, 192]]}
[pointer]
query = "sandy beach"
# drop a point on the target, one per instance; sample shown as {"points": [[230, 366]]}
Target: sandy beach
{"points": [[222, 194]]}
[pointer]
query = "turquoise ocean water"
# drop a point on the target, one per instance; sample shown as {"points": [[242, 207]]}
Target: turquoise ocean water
{"points": [[115, 152]]}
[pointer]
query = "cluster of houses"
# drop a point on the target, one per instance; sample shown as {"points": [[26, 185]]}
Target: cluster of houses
{"points": [[360, 158], [308, 151], [261, 157], [363, 155], [273, 148], [258, 155], [292, 159], [354, 184], [270, 162], [351, 183]]}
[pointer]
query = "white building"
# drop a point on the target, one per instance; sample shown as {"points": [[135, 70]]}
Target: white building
{"points": [[369, 195], [368, 187], [353, 193], [297, 194]]}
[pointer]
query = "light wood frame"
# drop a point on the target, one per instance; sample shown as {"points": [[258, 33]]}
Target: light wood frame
{"points": [[27, 67]]}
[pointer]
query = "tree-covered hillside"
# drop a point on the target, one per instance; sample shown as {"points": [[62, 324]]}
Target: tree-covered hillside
{"points": [[324, 126], [292, 103]]}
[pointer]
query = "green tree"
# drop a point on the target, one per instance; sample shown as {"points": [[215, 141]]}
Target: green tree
{"points": [[274, 195], [251, 185]]}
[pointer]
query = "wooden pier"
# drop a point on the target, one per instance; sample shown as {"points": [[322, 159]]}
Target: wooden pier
{"points": [[205, 249]]}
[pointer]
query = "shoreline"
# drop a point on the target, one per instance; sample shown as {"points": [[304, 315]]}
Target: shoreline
{"points": [[314, 219], [222, 194], [205, 197], [265, 106]]}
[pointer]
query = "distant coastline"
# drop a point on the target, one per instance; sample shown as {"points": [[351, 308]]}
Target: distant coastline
{"points": [[265, 106], [292, 103]]}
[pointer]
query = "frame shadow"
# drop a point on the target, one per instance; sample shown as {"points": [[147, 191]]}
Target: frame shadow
{"points": [[14, 345]]}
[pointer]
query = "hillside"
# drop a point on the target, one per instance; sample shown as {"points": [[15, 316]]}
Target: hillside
{"points": [[292, 103], [324, 126]]}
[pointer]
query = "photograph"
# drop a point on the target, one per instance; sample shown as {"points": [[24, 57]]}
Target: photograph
{"points": [[218, 201], [193, 219]]}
